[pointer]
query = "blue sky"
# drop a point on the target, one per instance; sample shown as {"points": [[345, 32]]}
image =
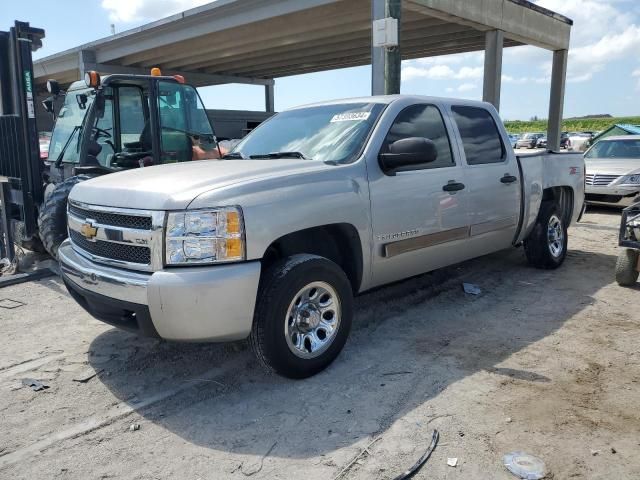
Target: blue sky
{"points": [[604, 62]]}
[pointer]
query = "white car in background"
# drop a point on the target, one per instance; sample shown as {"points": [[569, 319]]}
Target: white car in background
{"points": [[579, 142], [613, 171]]}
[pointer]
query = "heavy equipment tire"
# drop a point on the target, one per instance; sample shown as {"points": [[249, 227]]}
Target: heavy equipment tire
{"points": [[302, 316], [546, 245], [30, 243], [627, 267], [52, 220]]}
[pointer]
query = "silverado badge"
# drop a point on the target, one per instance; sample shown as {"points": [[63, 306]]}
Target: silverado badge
{"points": [[88, 231]]}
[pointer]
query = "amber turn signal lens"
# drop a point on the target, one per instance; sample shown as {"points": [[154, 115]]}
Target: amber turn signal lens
{"points": [[92, 79], [155, 72]]}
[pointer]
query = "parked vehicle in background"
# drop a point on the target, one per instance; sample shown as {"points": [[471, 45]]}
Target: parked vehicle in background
{"points": [[613, 171], [528, 140], [513, 139], [44, 139], [564, 141], [628, 263], [316, 204], [580, 141]]}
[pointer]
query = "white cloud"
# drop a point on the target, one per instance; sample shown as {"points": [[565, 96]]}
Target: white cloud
{"points": [[636, 73], [439, 72], [466, 87], [134, 10]]}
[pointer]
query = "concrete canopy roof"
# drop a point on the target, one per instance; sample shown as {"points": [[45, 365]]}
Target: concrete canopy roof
{"points": [[254, 41]]}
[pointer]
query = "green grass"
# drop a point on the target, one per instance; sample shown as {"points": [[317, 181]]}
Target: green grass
{"points": [[575, 125]]}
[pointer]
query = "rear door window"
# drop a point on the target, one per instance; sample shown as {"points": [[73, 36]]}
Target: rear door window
{"points": [[480, 135]]}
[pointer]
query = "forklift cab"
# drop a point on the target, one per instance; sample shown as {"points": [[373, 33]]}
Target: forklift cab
{"points": [[129, 121]]}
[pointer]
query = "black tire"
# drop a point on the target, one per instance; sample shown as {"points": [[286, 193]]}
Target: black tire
{"points": [[279, 285], [52, 220], [537, 245], [626, 268]]}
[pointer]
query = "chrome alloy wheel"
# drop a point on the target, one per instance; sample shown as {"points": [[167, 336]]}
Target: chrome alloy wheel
{"points": [[555, 236], [312, 320]]}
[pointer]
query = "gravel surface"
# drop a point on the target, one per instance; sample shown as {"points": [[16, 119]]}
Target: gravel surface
{"points": [[544, 362]]}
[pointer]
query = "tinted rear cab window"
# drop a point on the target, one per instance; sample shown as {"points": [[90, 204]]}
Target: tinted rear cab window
{"points": [[480, 135]]}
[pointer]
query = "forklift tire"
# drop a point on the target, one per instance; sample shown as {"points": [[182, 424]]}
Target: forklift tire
{"points": [[52, 220], [34, 243], [627, 268]]}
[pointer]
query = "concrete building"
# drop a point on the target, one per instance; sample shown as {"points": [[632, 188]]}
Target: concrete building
{"points": [[257, 41]]}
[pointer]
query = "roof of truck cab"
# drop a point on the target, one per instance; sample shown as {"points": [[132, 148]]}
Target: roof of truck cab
{"points": [[388, 99]]}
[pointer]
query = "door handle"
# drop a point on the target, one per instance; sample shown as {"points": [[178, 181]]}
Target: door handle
{"points": [[508, 178], [453, 186]]}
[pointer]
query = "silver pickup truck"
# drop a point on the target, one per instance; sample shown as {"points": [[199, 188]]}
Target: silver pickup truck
{"points": [[317, 204]]}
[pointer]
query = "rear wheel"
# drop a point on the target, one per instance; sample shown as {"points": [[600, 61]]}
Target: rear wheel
{"points": [[52, 220], [546, 245], [627, 267], [303, 315]]}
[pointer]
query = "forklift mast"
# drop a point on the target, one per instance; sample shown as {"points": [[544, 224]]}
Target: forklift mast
{"points": [[21, 183]]}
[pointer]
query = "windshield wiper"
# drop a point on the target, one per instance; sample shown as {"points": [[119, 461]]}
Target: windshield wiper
{"points": [[64, 149], [280, 155], [233, 156]]}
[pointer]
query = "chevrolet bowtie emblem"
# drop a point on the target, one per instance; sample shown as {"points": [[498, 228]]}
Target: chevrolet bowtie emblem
{"points": [[88, 231]]}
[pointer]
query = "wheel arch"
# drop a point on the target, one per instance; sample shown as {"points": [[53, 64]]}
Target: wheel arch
{"points": [[338, 242], [563, 196]]}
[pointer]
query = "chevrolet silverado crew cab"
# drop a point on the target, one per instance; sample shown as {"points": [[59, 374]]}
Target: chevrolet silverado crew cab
{"points": [[317, 204]]}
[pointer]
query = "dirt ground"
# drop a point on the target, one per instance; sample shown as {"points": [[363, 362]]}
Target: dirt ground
{"points": [[544, 362]]}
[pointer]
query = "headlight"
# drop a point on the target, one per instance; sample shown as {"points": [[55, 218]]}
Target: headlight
{"points": [[205, 236], [631, 179]]}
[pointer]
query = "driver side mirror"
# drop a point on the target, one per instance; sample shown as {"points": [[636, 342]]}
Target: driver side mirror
{"points": [[47, 103], [407, 152]]}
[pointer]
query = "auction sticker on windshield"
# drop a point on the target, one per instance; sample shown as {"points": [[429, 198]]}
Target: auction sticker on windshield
{"points": [[350, 117]]}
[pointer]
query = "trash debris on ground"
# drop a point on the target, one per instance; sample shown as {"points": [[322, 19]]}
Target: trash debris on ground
{"points": [[452, 462], [85, 377], [10, 304], [508, 420], [357, 457], [524, 466], [253, 472], [595, 452], [36, 385], [422, 460], [471, 288], [396, 373], [134, 427], [613, 450]]}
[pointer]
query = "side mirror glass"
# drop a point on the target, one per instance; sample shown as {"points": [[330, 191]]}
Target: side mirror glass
{"points": [[81, 98], [47, 103], [407, 152]]}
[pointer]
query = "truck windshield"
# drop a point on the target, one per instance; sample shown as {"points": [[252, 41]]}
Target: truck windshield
{"points": [[68, 125], [615, 149], [328, 132]]}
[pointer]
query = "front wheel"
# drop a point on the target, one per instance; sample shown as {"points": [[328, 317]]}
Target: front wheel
{"points": [[546, 245], [52, 221], [303, 315], [627, 268]]}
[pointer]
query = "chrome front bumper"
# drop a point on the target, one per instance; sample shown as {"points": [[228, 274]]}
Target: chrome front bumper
{"points": [[612, 195], [214, 303]]}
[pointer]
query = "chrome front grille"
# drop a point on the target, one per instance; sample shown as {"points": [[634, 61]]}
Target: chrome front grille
{"points": [[119, 237], [115, 220], [600, 179], [115, 251]]}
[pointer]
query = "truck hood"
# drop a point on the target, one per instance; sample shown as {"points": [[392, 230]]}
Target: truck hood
{"points": [[174, 186], [612, 166]]}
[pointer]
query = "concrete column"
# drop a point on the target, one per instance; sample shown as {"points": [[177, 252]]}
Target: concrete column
{"points": [[269, 99], [556, 98], [494, 40], [86, 62], [377, 53]]}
